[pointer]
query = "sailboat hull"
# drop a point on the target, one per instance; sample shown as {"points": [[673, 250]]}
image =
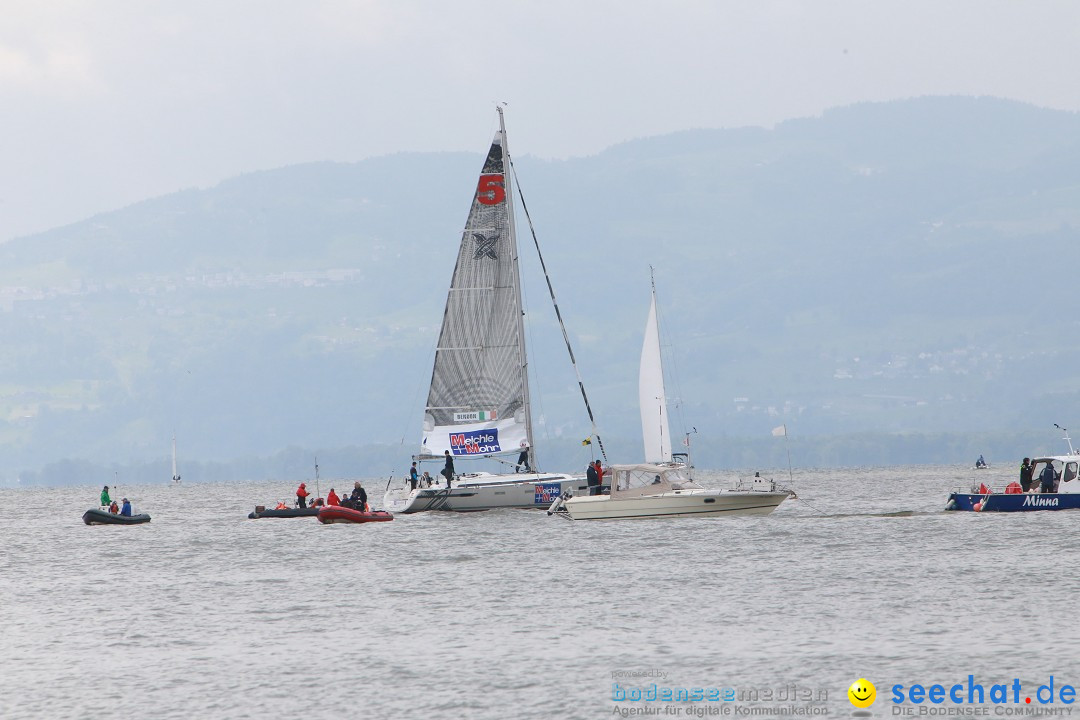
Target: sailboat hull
{"points": [[708, 503], [481, 491]]}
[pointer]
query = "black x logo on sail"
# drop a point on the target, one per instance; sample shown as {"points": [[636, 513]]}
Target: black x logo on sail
{"points": [[485, 247]]}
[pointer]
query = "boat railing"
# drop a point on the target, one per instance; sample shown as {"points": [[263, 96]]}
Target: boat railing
{"points": [[1011, 488]]}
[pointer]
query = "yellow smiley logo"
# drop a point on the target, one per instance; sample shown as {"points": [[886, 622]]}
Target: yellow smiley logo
{"points": [[862, 693]]}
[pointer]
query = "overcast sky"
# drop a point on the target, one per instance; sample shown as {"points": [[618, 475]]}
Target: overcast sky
{"points": [[107, 102]]}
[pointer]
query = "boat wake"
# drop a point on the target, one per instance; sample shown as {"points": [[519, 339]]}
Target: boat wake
{"points": [[894, 514]]}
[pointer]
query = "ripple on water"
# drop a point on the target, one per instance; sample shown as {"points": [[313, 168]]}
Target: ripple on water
{"points": [[501, 614]]}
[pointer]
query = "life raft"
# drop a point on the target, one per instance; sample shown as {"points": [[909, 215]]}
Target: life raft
{"points": [[337, 513], [93, 516]]}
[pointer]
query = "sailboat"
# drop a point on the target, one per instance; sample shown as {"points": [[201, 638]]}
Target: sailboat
{"points": [[478, 400], [663, 485], [175, 475]]}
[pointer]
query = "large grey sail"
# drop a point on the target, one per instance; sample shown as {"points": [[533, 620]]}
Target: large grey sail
{"points": [[478, 401]]}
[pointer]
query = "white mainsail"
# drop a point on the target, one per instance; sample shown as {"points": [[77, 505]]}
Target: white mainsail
{"points": [[478, 403], [651, 396]]}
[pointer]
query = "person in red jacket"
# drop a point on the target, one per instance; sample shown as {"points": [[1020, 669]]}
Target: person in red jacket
{"points": [[301, 496], [332, 498], [599, 478]]}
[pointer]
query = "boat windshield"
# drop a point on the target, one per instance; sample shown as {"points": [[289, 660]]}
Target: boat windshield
{"points": [[650, 478]]}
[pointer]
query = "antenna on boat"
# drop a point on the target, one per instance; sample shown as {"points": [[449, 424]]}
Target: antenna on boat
{"points": [[317, 493], [1068, 440], [686, 444]]}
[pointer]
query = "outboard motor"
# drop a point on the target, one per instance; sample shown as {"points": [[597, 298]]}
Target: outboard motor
{"points": [[557, 505]]}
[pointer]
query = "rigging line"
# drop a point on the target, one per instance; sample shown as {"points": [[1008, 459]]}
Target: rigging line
{"points": [[534, 383], [819, 512], [558, 313]]}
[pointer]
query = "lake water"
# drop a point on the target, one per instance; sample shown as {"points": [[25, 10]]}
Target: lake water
{"points": [[203, 613]]}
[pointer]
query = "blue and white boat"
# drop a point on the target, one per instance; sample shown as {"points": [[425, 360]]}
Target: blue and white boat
{"points": [[1013, 498]]}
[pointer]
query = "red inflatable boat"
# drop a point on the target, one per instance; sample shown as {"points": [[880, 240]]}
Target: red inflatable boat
{"points": [[336, 514]]}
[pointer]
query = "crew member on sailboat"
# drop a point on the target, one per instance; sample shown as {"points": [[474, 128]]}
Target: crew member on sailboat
{"points": [[448, 469]]}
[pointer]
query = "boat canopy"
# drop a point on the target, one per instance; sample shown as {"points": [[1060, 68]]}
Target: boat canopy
{"points": [[648, 479], [1066, 468]]}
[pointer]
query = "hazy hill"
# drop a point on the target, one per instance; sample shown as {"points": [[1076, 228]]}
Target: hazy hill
{"points": [[885, 268]]}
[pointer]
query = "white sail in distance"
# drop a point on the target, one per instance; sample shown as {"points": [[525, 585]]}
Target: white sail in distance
{"points": [[651, 396], [175, 475]]}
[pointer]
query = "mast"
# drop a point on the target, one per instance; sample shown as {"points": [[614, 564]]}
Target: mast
{"points": [[522, 357]]}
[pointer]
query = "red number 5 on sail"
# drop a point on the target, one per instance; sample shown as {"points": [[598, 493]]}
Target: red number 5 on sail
{"points": [[490, 191]]}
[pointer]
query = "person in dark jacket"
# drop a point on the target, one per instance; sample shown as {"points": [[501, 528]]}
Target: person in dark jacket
{"points": [[414, 478], [448, 469], [1046, 478], [359, 497], [592, 479], [1025, 474], [126, 509]]}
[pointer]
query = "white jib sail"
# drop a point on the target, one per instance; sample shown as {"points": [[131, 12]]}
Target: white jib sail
{"points": [[651, 397]]}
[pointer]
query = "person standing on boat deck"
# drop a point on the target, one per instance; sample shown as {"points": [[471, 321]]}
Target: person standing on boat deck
{"points": [[448, 469], [105, 499], [1025, 474], [1046, 478], [599, 478], [332, 498], [523, 458], [413, 479], [301, 496], [126, 510], [592, 479]]}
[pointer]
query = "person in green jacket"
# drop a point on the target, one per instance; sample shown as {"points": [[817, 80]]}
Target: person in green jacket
{"points": [[105, 497]]}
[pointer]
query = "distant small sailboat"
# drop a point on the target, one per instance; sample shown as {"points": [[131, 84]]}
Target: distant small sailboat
{"points": [[175, 475]]}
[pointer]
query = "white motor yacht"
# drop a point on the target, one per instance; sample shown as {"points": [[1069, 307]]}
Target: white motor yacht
{"points": [[652, 490]]}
